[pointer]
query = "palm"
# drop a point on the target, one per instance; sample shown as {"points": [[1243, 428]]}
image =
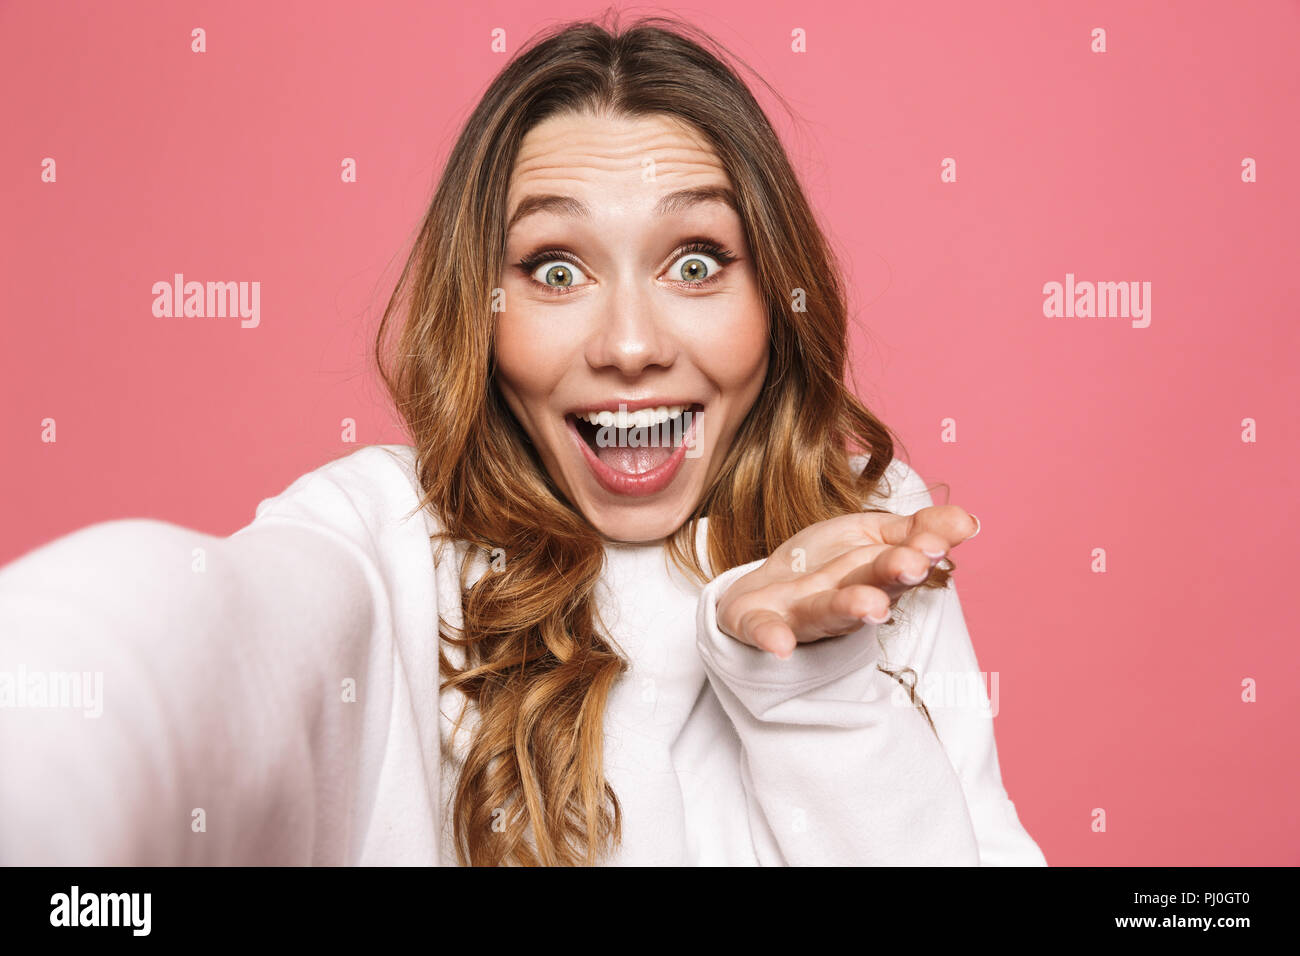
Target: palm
{"points": [[834, 576]]}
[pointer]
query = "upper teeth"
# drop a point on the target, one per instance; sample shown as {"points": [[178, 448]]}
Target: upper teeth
{"points": [[642, 418]]}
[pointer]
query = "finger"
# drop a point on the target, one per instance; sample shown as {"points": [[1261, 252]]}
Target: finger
{"points": [[833, 571], [767, 631], [933, 546], [895, 571], [838, 611], [949, 522]]}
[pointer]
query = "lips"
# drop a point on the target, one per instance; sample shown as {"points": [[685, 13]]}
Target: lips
{"points": [[643, 456]]}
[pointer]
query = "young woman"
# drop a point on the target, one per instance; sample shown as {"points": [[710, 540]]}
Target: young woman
{"points": [[647, 587]]}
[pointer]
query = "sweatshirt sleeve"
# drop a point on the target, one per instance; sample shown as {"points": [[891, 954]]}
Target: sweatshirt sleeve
{"points": [[948, 680], [937, 646], [205, 717], [839, 766]]}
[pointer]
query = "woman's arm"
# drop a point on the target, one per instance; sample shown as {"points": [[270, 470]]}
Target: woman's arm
{"points": [[213, 722], [938, 648], [827, 734], [841, 774]]}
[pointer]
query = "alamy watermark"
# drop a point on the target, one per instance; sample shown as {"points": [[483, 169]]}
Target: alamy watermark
{"points": [[75, 908], [974, 691], [75, 690], [662, 427], [198, 300], [1101, 300]]}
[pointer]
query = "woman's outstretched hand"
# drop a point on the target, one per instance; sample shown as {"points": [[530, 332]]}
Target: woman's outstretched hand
{"points": [[834, 576]]}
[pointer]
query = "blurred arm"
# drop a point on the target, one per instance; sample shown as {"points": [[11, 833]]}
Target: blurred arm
{"points": [[207, 674]]}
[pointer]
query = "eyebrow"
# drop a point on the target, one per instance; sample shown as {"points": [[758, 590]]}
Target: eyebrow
{"points": [[671, 203]]}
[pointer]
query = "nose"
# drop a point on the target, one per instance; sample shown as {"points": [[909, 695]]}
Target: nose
{"points": [[631, 337]]}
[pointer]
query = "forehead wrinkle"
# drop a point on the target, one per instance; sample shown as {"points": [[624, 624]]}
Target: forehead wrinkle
{"points": [[610, 140], [559, 162], [673, 202], [552, 150]]}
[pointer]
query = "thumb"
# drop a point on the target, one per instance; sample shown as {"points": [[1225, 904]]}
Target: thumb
{"points": [[766, 630]]}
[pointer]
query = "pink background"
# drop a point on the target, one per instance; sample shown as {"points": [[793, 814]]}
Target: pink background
{"points": [[1119, 691]]}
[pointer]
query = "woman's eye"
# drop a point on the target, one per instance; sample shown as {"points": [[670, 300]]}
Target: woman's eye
{"points": [[559, 274], [693, 267]]}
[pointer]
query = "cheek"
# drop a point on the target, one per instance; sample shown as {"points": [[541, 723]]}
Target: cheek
{"points": [[733, 348], [528, 363]]}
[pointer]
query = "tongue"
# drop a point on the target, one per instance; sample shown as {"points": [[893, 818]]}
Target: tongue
{"points": [[634, 461]]}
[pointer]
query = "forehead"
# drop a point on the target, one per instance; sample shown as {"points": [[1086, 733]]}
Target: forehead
{"points": [[647, 155]]}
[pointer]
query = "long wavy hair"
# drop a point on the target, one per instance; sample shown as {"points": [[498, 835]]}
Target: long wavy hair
{"points": [[538, 666]]}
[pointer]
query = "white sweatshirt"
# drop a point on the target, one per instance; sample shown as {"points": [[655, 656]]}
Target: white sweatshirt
{"points": [[271, 698]]}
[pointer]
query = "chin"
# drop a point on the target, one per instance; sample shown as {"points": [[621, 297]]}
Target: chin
{"points": [[638, 525]]}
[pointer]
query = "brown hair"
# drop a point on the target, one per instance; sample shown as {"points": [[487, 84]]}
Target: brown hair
{"points": [[537, 666]]}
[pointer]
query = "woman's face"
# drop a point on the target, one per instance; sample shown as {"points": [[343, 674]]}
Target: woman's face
{"points": [[633, 339]]}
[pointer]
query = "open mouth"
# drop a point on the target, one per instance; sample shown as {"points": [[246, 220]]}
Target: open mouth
{"points": [[637, 452]]}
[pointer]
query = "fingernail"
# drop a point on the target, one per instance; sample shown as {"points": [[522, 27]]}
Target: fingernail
{"points": [[908, 578], [876, 620], [977, 526], [934, 556]]}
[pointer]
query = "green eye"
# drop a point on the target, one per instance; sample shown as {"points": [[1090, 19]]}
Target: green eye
{"points": [[694, 267], [559, 274]]}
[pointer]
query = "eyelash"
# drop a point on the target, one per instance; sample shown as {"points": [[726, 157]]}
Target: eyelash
{"points": [[528, 265]]}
